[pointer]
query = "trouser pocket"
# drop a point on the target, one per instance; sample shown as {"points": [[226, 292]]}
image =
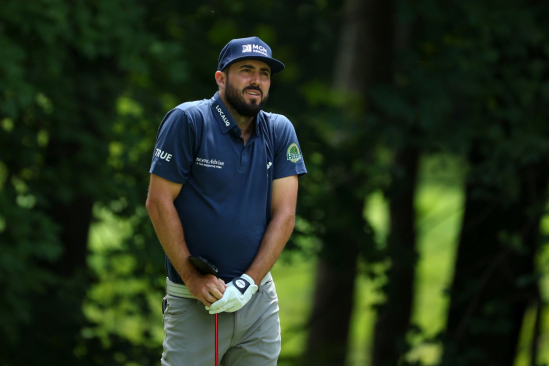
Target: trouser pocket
{"points": [[164, 304]]}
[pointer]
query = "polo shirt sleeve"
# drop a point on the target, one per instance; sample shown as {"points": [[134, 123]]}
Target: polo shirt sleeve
{"points": [[288, 158], [175, 145]]}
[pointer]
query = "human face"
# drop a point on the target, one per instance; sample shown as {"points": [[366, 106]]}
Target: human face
{"points": [[247, 86]]}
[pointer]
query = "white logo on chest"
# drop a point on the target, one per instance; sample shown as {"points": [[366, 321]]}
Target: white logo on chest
{"points": [[210, 163]]}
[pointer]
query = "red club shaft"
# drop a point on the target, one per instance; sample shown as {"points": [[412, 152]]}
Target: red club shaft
{"points": [[216, 344]]}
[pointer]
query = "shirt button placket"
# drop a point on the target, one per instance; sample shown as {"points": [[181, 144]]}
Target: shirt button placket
{"points": [[244, 160]]}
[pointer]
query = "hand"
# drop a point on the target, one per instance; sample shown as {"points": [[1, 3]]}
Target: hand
{"points": [[206, 288], [239, 291]]}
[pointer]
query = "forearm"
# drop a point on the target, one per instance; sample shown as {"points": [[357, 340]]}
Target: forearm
{"points": [[274, 240], [170, 234]]}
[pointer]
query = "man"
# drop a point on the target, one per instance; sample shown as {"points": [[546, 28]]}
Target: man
{"points": [[223, 186]]}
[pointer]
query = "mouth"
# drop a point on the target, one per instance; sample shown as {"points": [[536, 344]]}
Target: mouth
{"points": [[253, 93]]}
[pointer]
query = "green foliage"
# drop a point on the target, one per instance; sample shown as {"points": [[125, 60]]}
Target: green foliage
{"points": [[63, 67], [84, 85]]}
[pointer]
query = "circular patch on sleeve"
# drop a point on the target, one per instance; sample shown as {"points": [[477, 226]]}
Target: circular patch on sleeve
{"points": [[293, 154]]}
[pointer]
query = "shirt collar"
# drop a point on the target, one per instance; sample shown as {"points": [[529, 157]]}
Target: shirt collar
{"points": [[224, 118], [222, 115]]}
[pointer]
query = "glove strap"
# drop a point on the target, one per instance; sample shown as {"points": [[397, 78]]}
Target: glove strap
{"points": [[242, 283]]}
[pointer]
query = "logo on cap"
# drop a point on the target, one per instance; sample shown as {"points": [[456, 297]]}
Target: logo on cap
{"points": [[254, 48]]}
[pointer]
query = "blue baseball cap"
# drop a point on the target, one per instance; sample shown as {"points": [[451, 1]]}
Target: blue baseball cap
{"points": [[251, 48]]}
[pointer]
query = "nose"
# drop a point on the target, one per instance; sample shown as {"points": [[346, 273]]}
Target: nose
{"points": [[255, 78]]}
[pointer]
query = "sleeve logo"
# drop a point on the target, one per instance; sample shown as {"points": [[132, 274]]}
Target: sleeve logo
{"points": [[293, 154], [162, 155]]}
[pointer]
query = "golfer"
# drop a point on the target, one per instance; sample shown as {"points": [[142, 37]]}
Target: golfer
{"points": [[223, 186]]}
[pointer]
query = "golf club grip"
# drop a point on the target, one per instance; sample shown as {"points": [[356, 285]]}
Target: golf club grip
{"points": [[203, 265]]}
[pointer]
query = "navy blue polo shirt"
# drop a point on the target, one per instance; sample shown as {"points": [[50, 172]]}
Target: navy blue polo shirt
{"points": [[224, 203]]}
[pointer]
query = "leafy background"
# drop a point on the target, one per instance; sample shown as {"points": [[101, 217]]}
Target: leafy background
{"points": [[421, 231]]}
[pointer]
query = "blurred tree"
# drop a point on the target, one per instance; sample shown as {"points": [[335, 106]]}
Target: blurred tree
{"points": [[63, 67], [495, 276], [84, 85], [487, 66], [362, 61], [394, 314], [495, 279]]}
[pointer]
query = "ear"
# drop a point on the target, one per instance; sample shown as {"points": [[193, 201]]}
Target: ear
{"points": [[220, 79]]}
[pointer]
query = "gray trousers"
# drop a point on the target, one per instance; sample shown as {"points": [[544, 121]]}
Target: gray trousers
{"points": [[248, 337]]}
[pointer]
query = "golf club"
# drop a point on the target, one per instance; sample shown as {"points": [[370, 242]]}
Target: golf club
{"points": [[204, 266]]}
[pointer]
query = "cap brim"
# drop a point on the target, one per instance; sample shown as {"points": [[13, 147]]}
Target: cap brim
{"points": [[275, 65]]}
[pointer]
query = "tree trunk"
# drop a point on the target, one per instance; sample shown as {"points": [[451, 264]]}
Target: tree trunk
{"points": [[393, 316], [536, 336], [494, 280], [75, 219], [333, 304], [363, 59]]}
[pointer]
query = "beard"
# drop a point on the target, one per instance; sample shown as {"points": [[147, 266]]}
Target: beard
{"points": [[236, 100]]}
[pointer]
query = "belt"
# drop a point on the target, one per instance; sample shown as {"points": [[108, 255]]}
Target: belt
{"points": [[179, 290]]}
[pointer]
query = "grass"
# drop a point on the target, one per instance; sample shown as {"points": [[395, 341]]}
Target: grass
{"points": [[295, 287]]}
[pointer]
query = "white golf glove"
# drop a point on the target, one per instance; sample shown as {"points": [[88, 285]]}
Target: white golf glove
{"points": [[238, 292]]}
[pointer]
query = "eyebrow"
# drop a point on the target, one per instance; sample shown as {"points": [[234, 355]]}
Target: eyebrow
{"points": [[253, 67]]}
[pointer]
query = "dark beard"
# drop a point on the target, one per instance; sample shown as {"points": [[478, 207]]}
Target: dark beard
{"points": [[235, 99]]}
